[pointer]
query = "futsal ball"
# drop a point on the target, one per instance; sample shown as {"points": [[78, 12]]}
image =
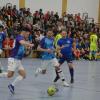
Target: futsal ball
{"points": [[51, 90]]}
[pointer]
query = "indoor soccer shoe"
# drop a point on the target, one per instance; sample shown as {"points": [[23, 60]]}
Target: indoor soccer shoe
{"points": [[56, 79], [65, 84], [38, 70], [72, 81], [11, 88], [0, 70]]}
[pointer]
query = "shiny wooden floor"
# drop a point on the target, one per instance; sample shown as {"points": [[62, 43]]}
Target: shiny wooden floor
{"points": [[86, 86]]}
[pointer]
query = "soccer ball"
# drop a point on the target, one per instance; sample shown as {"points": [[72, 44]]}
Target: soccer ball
{"points": [[51, 90]]}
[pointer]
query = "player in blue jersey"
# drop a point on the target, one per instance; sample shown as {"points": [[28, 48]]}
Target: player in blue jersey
{"points": [[65, 48], [48, 56], [14, 62], [2, 38]]}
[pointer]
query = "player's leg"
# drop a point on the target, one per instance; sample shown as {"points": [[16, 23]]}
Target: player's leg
{"points": [[11, 87], [10, 73], [21, 71], [61, 61], [95, 55], [90, 55], [69, 60], [71, 70], [59, 72], [95, 52], [1, 52], [0, 62], [0, 68], [11, 69], [20, 77], [43, 68], [91, 52]]}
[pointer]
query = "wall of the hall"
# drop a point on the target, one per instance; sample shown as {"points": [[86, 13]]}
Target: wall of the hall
{"points": [[73, 6], [13, 2], [46, 5], [88, 6]]}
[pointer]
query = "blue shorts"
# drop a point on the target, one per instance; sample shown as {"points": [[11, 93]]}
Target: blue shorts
{"points": [[68, 58]]}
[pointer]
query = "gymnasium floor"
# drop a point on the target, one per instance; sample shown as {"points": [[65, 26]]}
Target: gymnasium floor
{"points": [[86, 86]]}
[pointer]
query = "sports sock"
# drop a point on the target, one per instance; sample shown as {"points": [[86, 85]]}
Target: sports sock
{"points": [[61, 75], [71, 73], [19, 78]]}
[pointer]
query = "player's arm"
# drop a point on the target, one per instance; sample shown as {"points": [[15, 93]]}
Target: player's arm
{"points": [[26, 43], [59, 47], [41, 47], [58, 51]]}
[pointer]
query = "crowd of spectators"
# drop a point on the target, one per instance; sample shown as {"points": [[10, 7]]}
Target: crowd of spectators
{"points": [[77, 27]]}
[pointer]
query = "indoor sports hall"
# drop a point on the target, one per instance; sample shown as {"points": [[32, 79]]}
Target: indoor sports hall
{"points": [[49, 49]]}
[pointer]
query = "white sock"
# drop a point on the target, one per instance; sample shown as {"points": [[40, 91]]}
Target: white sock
{"points": [[19, 78], [4, 74]]}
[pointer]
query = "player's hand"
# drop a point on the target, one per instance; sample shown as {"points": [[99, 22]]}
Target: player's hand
{"points": [[63, 46], [60, 55], [49, 51], [31, 45]]}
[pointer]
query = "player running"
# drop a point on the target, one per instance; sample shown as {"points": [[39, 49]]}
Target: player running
{"points": [[2, 38], [48, 56], [65, 51], [14, 62]]}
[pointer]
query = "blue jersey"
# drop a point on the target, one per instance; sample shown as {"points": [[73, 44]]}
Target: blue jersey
{"points": [[67, 42], [19, 50], [2, 38], [47, 43]]}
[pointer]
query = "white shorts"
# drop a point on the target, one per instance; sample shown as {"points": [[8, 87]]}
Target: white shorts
{"points": [[1, 51], [14, 64], [47, 63]]}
